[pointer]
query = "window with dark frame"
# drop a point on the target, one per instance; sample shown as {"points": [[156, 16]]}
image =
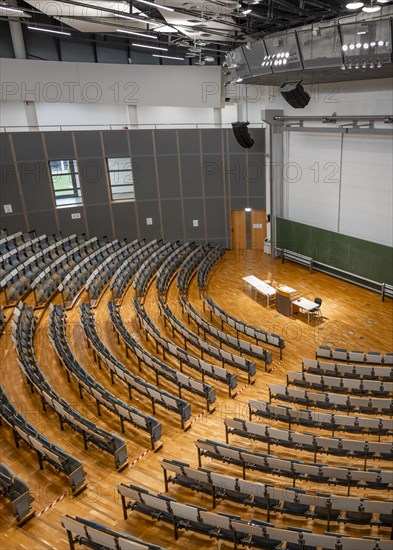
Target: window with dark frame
{"points": [[65, 182], [120, 178]]}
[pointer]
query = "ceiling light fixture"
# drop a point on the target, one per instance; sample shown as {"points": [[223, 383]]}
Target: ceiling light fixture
{"points": [[167, 56], [150, 47], [379, 64], [354, 5], [155, 5], [49, 30], [371, 8], [15, 10], [209, 59], [138, 34]]}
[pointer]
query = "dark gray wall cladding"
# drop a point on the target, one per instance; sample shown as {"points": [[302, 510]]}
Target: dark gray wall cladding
{"points": [[165, 142], [116, 144], [35, 185], [211, 141], [6, 47], [141, 142], [256, 174], [258, 135], [99, 221], [92, 177], [189, 142], [77, 51], [240, 203], [144, 176], [9, 192], [191, 175], [28, 146], [42, 222], [70, 226], [213, 175], [88, 144], [106, 54], [125, 220], [172, 220], [193, 210], [13, 223], [215, 215], [236, 171], [5, 148], [168, 174], [149, 209], [40, 45], [59, 145]]}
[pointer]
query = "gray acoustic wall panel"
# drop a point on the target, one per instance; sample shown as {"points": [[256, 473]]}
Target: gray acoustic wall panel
{"points": [[36, 187], [99, 221], [92, 176], [124, 214], [168, 177], [215, 218], [212, 141], [141, 142], [12, 222], [5, 148], [189, 142], [194, 210], [213, 175], [59, 146], [28, 146], [69, 225], [191, 175], [42, 222], [172, 219], [144, 175], [116, 144], [149, 209], [165, 142], [88, 144], [236, 172], [9, 192]]}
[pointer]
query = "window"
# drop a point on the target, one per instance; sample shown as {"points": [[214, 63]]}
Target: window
{"points": [[65, 182], [120, 176]]}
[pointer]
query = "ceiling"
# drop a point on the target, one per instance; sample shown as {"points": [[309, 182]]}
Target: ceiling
{"points": [[200, 29]]}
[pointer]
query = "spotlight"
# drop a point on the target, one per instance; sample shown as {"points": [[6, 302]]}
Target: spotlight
{"points": [[284, 61], [263, 63], [345, 48], [358, 45], [364, 66], [352, 46], [379, 64], [380, 42], [366, 45], [357, 66], [373, 44], [350, 66], [343, 67], [372, 65]]}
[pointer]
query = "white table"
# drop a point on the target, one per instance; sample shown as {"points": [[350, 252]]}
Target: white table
{"points": [[308, 305], [260, 286]]}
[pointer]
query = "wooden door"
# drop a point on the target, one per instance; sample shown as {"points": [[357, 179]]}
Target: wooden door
{"points": [[238, 229], [258, 229]]}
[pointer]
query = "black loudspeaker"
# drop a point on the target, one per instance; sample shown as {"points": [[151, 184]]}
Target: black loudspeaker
{"points": [[294, 94], [240, 131]]}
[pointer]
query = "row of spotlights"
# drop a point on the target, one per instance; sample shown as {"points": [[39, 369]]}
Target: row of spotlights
{"points": [[275, 62], [276, 55], [365, 45], [372, 64]]}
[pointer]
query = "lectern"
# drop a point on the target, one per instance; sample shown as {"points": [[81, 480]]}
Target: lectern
{"points": [[284, 297]]}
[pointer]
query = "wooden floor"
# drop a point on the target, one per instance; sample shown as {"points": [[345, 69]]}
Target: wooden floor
{"points": [[352, 317]]}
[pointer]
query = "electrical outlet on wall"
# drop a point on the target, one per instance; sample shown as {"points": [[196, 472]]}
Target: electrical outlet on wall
{"points": [[149, 221], [195, 223], [75, 216], [8, 208]]}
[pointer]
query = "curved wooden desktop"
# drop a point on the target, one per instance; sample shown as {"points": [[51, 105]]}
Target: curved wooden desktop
{"points": [[285, 295]]}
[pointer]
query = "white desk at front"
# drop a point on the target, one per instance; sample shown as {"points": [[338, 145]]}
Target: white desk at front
{"points": [[260, 286], [307, 305]]}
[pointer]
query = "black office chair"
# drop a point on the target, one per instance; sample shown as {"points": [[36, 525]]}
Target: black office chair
{"points": [[317, 310]]}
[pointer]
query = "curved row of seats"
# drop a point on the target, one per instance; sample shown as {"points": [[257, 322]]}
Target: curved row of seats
{"points": [[17, 491], [340, 384], [206, 369], [46, 451], [349, 403], [19, 281], [309, 442], [258, 334], [294, 469], [9, 243], [361, 372], [72, 284], [148, 269], [242, 346], [316, 419], [189, 266], [23, 336], [96, 535], [254, 533], [355, 356], [169, 267], [286, 500], [207, 264], [189, 337], [130, 266], [45, 285], [102, 274], [156, 395], [12, 259], [125, 412], [181, 380]]}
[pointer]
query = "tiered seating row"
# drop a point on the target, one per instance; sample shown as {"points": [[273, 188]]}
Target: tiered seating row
{"points": [[340, 385], [254, 533], [258, 334], [57, 329], [46, 451], [127, 269], [188, 267], [329, 421], [307, 442], [10, 242], [207, 264], [95, 535], [45, 285], [17, 491], [294, 469], [104, 272], [361, 372], [73, 282], [148, 269], [23, 335], [18, 281], [226, 357], [365, 405], [202, 366], [167, 270], [342, 354], [289, 500], [178, 378], [102, 354], [11, 260], [243, 346]]}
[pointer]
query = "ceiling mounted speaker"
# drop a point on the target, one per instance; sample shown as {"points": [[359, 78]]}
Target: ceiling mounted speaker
{"points": [[294, 94], [240, 131]]}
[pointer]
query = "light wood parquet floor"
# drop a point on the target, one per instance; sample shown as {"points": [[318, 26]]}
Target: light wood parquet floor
{"points": [[353, 318]]}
